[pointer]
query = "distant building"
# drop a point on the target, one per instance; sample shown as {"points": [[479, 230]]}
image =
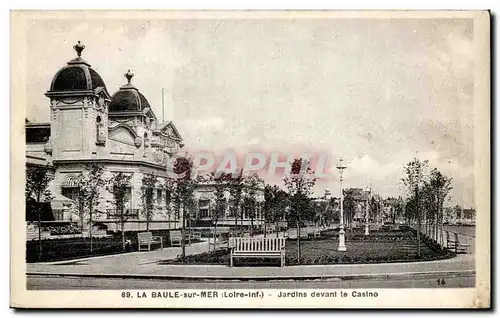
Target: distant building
{"points": [[360, 198]]}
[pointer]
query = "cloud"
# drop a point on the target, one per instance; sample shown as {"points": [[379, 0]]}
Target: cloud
{"points": [[377, 91]]}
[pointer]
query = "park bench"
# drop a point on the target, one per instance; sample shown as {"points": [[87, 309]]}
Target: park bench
{"points": [[147, 239], [260, 247], [314, 233], [220, 239], [175, 237], [196, 234], [292, 233], [455, 245]]}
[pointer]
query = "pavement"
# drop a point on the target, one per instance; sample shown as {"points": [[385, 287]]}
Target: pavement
{"points": [[92, 283], [141, 265]]}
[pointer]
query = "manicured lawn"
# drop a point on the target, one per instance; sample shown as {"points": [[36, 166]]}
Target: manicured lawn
{"points": [[379, 247]]}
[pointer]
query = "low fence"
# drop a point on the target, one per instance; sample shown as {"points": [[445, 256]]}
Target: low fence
{"points": [[451, 240]]}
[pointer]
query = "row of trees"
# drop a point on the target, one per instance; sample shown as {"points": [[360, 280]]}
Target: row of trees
{"points": [[241, 190], [179, 194], [427, 189]]}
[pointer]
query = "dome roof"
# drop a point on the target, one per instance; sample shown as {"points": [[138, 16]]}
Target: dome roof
{"points": [[77, 75], [128, 98]]}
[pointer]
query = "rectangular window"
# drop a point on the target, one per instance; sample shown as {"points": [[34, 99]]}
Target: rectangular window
{"points": [[204, 209], [158, 196]]}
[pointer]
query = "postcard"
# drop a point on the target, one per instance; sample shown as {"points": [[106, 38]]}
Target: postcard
{"points": [[250, 159]]}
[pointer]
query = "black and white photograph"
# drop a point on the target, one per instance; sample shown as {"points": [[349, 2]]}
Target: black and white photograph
{"points": [[243, 157]]}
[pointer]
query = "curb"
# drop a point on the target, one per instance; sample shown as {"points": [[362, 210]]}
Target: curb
{"points": [[380, 276]]}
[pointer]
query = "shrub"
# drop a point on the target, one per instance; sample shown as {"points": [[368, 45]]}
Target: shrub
{"points": [[70, 248]]}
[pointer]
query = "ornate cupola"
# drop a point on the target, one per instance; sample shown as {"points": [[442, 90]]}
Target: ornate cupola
{"points": [[77, 78], [79, 109], [128, 100], [130, 107]]}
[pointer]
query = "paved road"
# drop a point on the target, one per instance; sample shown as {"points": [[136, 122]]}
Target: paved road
{"points": [[55, 282]]}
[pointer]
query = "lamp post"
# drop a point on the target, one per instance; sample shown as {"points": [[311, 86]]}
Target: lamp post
{"points": [[367, 227], [342, 247]]}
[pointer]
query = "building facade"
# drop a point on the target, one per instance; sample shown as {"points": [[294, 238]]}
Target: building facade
{"points": [[119, 131]]}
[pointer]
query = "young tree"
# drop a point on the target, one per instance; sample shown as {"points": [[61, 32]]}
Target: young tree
{"points": [[183, 196], [414, 182], [268, 208], [349, 210], [374, 209], [252, 185], [219, 200], [275, 203], [331, 213], [169, 188], [90, 183], [399, 209], [457, 211], [299, 185], [118, 186], [236, 184], [149, 182], [440, 186], [37, 187]]}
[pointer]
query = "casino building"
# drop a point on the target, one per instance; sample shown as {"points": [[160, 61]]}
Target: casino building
{"points": [[119, 131]]}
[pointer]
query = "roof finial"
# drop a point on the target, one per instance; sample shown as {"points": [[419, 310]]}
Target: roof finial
{"points": [[79, 48], [129, 76]]}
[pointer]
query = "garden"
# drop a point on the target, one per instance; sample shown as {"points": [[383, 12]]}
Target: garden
{"points": [[383, 246], [59, 249]]}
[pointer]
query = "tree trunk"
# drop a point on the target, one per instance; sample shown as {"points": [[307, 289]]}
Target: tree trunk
{"points": [[90, 226], [122, 221], [147, 219], [350, 225], [235, 220], [298, 241], [80, 213], [251, 226], [419, 223], [183, 231], [241, 223], [277, 230], [39, 208], [215, 236], [265, 228]]}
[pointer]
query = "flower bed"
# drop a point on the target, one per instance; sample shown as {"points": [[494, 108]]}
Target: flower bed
{"points": [[376, 248]]}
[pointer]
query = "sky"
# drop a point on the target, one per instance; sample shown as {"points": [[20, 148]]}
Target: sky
{"points": [[377, 92]]}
